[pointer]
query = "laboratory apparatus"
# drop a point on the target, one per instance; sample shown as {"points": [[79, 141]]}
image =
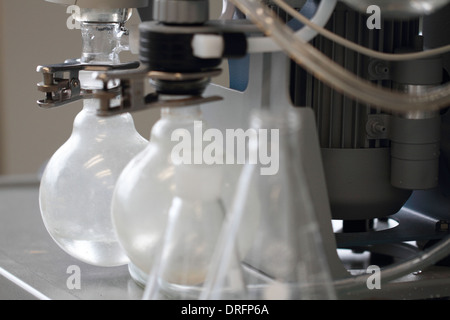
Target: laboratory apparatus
{"points": [[363, 187], [145, 190], [287, 249], [78, 181]]}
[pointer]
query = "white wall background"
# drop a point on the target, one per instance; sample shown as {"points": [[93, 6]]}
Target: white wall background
{"points": [[34, 32]]}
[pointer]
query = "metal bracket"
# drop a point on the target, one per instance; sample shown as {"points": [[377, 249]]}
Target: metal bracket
{"points": [[60, 89], [132, 91]]}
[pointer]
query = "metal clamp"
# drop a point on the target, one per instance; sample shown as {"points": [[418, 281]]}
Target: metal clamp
{"points": [[60, 89], [134, 98]]}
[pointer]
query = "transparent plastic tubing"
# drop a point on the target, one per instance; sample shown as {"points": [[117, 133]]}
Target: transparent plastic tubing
{"points": [[316, 62], [356, 47], [336, 76]]}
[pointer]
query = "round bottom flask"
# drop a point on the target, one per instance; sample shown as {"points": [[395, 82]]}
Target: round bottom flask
{"points": [[145, 190], [78, 182]]}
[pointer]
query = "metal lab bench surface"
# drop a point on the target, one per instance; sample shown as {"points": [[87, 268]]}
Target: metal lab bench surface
{"points": [[32, 266]]}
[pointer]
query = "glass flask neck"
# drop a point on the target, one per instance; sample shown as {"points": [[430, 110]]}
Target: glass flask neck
{"points": [[191, 112], [103, 38], [90, 106], [173, 119], [89, 125], [101, 42], [102, 33]]}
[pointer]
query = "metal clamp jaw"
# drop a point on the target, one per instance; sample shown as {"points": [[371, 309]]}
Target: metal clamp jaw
{"points": [[132, 90], [62, 85]]}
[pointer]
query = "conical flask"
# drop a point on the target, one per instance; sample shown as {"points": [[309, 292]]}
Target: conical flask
{"points": [[195, 219], [286, 259], [145, 189]]}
